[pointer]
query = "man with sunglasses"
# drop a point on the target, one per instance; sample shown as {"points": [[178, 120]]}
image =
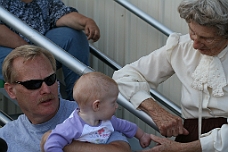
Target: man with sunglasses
{"points": [[29, 73]]}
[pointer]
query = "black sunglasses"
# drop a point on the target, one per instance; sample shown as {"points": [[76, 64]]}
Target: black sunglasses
{"points": [[36, 84]]}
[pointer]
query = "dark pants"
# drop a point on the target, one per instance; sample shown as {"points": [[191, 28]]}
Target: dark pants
{"points": [[192, 126]]}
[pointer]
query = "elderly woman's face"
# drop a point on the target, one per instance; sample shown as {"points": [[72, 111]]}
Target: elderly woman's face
{"points": [[206, 39]]}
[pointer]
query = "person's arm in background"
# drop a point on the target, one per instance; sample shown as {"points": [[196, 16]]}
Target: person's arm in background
{"points": [[10, 39], [80, 22]]}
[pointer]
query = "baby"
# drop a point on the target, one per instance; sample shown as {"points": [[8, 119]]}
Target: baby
{"points": [[94, 120]]}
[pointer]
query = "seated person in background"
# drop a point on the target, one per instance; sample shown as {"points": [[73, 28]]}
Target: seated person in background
{"points": [[200, 61], [61, 24], [30, 79], [94, 120]]}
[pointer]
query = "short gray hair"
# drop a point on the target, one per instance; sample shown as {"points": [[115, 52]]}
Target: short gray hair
{"points": [[212, 13]]}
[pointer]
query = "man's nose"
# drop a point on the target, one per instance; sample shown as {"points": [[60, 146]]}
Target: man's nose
{"points": [[45, 88]]}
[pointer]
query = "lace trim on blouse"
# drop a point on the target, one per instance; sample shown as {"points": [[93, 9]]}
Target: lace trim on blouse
{"points": [[210, 72]]}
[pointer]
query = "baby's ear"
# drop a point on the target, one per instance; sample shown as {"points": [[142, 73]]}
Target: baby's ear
{"points": [[96, 105]]}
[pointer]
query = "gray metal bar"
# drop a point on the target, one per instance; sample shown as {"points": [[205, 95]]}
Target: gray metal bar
{"points": [[104, 58], [144, 17]]}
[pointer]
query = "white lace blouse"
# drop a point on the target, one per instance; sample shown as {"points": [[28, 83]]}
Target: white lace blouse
{"points": [[204, 78]]}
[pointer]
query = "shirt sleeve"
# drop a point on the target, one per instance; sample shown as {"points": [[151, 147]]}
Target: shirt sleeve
{"points": [[126, 127], [63, 134], [215, 140], [59, 9], [135, 80]]}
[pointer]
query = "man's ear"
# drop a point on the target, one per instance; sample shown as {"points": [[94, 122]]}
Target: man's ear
{"points": [[96, 105], [10, 90]]}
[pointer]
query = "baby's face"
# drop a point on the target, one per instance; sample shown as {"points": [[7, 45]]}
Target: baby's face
{"points": [[109, 105]]}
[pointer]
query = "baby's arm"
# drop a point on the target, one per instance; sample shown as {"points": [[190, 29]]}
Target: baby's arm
{"points": [[143, 137], [130, 130]]}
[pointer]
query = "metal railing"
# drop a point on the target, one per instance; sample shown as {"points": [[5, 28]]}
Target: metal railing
{"points": [[150, 20]]}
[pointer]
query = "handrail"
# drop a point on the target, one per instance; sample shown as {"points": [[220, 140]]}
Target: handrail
{"points": [[104, 58], [62, 56], [150, 20]]}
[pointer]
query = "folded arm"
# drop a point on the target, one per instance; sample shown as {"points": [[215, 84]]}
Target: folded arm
{"points": [[78, 21]]}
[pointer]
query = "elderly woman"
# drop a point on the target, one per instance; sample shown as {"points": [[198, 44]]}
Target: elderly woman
{"points": [[200, 60]]}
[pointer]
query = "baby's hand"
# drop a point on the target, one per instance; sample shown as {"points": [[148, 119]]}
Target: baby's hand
{"points": [[145, 140]]}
